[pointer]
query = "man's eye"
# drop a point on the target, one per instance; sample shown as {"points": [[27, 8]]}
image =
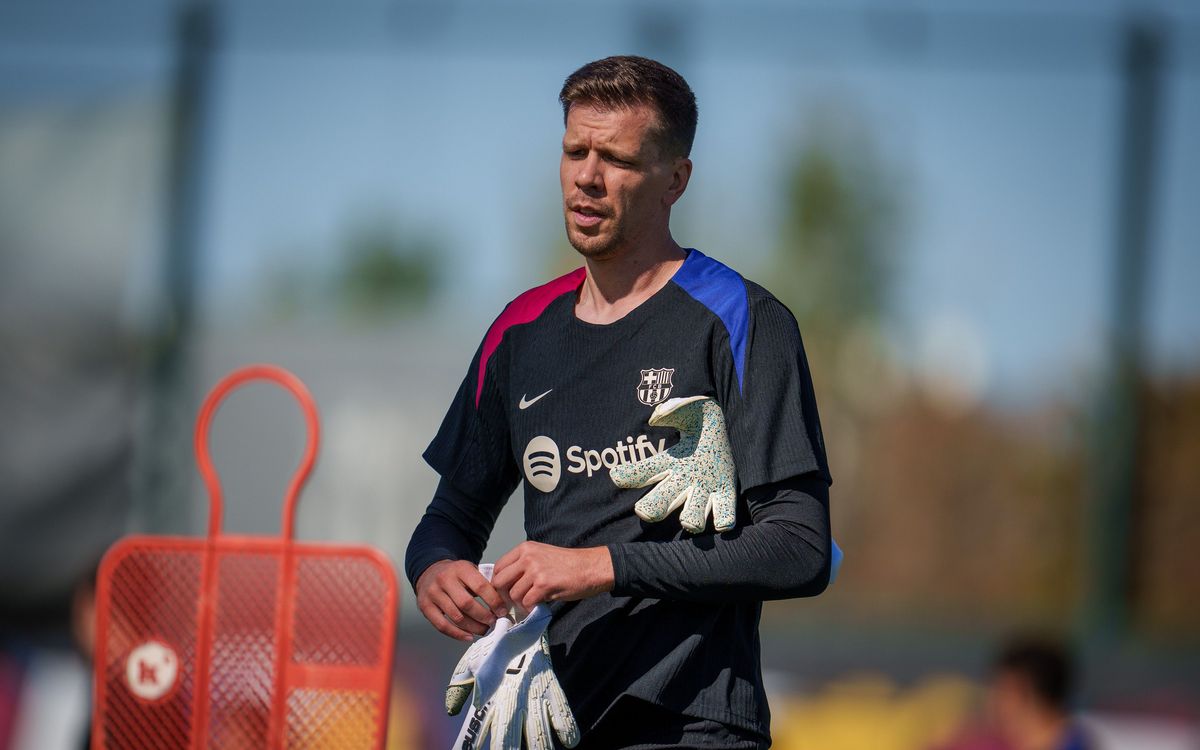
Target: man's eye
{"points": [[618, 162], [574, 153]]}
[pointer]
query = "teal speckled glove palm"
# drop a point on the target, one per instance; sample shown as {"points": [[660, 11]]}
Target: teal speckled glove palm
{"points": [[696, 473]]}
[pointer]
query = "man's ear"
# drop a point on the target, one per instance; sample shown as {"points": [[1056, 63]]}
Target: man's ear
{"points": [[681, 172]]}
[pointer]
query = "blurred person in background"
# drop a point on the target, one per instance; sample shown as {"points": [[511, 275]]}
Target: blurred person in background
{"points": [[83, 634], [1028, 702], [1029, 697]]}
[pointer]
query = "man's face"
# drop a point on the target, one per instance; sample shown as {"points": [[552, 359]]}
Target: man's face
{"points": [[1010, 704], [617, 184]]}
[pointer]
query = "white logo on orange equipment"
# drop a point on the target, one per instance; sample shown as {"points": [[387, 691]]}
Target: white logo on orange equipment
{"points": [[655, 385], [543, 464], [151, 670]]}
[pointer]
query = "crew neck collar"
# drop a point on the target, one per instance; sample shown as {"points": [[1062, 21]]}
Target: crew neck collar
{"points": [[644, 306]]}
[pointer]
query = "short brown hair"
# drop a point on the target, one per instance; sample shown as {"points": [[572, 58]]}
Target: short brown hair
{"points": [[628, 80], [1046, 666]]}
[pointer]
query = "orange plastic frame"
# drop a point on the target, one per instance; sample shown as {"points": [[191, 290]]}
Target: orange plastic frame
{"points": [[143, 572]]}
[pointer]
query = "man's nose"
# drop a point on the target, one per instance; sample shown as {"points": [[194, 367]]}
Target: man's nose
{"points": [[589, 176]]}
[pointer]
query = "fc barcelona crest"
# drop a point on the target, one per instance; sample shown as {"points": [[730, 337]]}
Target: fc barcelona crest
{"points": [[655, 386]]}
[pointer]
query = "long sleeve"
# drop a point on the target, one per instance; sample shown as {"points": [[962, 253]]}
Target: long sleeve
{"points": [[472, 454], [784, 552], [456, 526]]}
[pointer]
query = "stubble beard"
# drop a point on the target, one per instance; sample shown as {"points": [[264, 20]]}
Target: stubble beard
{"points": [[595, 248]]}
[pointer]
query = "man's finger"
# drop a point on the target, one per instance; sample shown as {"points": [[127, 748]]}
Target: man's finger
{"points": [[506, 576], [510, 568], [520, 589], [441, 624], [471, 607], [455, 631], [533, 598], [455, 615], [491, 597], [485, 590], [507, 569]]}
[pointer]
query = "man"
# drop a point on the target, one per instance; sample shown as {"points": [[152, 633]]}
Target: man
{"points": [[654, 636], [1029, 697]]}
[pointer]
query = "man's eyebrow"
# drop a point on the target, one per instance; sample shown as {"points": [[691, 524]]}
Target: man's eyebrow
{"points": [[605, 149], [620, 153]]}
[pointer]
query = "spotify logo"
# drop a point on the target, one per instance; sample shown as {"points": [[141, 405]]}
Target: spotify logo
{"points": [[543, 467]]}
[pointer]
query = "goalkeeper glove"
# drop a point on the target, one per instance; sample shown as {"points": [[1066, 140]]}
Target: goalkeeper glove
{"points": [[695, 473], [527, 698]]}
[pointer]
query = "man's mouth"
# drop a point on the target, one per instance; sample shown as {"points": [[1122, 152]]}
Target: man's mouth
{"points": [[586, 216]]}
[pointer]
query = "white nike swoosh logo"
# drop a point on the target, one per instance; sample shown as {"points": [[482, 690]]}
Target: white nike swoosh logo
{"points": [[526, 404]]}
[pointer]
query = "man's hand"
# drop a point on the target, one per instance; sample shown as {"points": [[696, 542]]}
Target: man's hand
{"points": [[446, 594], [532, 573]]}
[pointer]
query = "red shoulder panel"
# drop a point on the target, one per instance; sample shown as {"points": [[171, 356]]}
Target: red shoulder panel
{"points": [[524, 309]]}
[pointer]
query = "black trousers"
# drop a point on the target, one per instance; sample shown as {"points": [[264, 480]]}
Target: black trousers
{"points": [[634, 724]]}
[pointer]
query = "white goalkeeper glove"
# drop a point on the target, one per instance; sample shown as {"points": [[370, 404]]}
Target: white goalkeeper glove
{"points": [[513, 690], [696, 473]]}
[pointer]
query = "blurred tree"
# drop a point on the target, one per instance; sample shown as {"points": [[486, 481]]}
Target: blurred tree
{"points": [[966, 513], [833, 266], [1167, 582], [380, 273], [836, 258], [385, 272]]}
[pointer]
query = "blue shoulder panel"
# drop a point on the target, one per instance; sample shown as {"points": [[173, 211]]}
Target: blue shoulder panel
{"points": [[722, 290]]}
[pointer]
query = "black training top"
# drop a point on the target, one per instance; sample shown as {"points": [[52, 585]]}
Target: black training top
{"points": [[557, 401]]}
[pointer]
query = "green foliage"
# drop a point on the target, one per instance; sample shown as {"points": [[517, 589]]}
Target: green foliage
{"points": [[835, 261], [379, 273], [384, 273]]}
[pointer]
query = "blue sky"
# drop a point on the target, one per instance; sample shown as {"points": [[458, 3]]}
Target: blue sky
{"points": [[446, 122]]}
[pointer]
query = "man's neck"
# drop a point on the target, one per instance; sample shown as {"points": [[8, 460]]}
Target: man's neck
{"points": [[614, 286]]}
